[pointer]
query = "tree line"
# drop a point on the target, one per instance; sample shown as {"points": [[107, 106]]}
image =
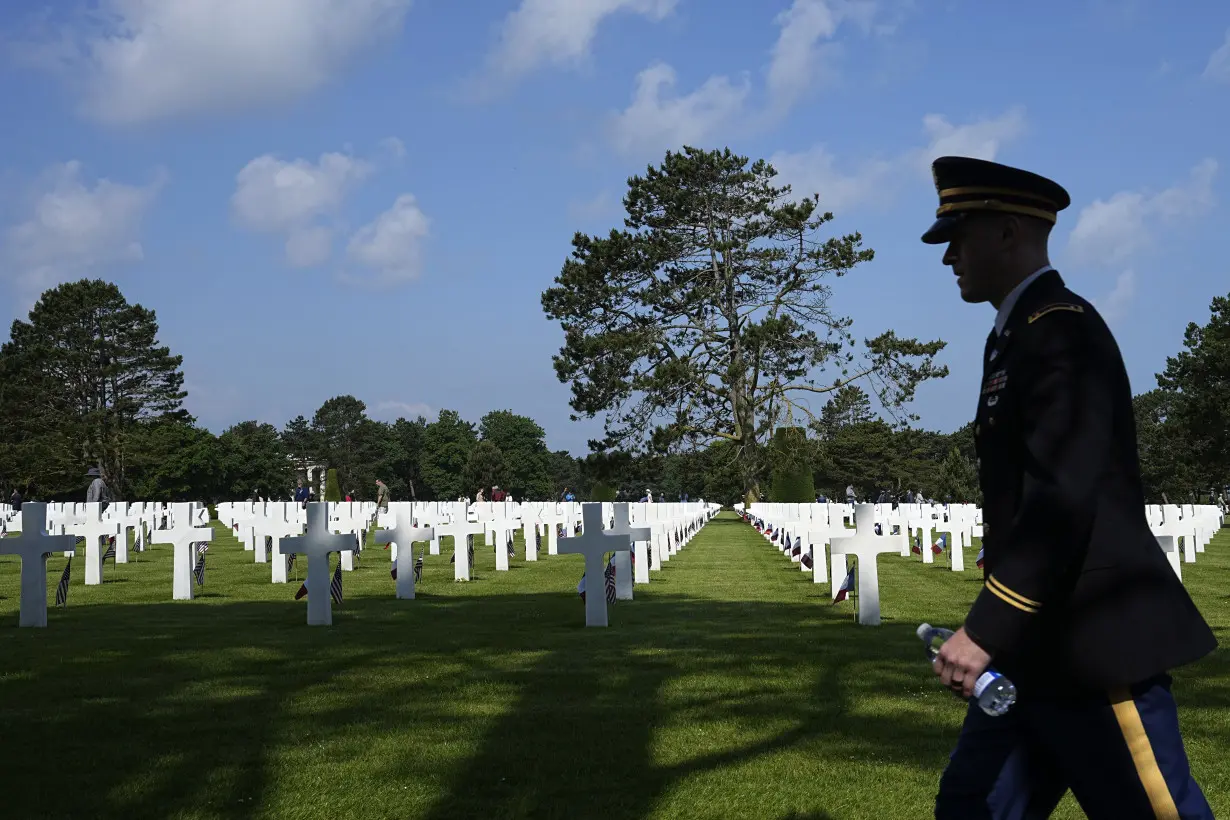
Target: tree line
{"points": [[704, 332]]}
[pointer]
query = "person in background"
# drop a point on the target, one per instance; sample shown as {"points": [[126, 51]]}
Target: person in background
{"points": [[850, 496], [302, 496], [480, 496], [15, 500], [382, 496], [497, 494], [98, 491]]}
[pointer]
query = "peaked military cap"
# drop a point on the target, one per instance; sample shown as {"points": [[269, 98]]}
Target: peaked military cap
{"points": [[966, 185]]}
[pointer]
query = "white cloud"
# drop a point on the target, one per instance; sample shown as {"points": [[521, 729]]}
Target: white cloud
{"points": [[135, 61], [1218, 68], [1114, 306], [75, 229], [559, 31], [658, 119], [981, 139], [309, 247], [874, 181], [1111, 231], [289, 197], [394, 147], [391, 245], [392, 410], [799, 55]]}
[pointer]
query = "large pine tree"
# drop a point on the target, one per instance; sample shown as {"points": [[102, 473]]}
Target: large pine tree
{"points": [[75, 379]]}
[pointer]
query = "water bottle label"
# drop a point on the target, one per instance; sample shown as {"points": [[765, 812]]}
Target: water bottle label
{"points": [[984, 680]]}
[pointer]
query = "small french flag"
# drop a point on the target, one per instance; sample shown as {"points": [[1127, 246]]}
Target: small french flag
{"points": [[978, 560], [844, 590]]}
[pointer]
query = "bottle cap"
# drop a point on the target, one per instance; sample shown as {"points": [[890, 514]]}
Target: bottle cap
{"points": [[923, 629]]}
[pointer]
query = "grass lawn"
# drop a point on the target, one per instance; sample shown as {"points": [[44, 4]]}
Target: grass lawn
{"points": [[729, 688]]}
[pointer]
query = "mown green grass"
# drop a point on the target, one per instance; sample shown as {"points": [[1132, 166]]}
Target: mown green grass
{"points": [[729, 688]]}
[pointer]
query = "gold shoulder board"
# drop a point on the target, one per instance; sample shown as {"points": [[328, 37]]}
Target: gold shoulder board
{"points": [[1052, 308]]}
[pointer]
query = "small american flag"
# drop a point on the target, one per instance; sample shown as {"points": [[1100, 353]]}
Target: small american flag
{"points": [[418, 569], [511, 551], [138, 542], [62, 587], [199, 570], [537, 538], [610, 580], [110, 553], [335, 588]]}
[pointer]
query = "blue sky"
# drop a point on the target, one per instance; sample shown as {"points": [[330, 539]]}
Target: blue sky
{"points": [[322, 197]]}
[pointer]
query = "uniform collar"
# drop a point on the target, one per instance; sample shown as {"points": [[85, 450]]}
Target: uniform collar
{"points": [[1005, 308]]}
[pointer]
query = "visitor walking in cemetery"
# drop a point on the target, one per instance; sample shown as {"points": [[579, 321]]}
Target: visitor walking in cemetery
{"points": [[15, 500], [382, 496], [98, 491], [1079, 609]]}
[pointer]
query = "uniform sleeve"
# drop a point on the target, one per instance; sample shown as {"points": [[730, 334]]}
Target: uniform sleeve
{"points": [[1067, 417]]}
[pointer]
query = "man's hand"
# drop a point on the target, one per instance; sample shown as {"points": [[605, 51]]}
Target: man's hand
{"points": [[960, 663]]}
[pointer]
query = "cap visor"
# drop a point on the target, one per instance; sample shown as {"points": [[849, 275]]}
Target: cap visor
{"points": [[941, 230]]}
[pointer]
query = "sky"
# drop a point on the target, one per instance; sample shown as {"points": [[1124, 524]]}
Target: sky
{"points": [[367, 197]]}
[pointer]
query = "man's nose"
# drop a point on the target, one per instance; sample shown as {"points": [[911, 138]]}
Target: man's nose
{"points": [[950, 254]]}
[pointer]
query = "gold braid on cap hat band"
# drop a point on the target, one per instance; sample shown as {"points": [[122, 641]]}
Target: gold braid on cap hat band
{"points": [[996, 205]]}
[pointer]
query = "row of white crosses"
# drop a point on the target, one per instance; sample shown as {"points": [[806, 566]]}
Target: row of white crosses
{"points": [[184, 526], [817, 527]]}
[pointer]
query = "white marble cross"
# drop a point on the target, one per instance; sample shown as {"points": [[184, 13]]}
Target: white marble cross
{"points": [[185, 540], [866, 547], [94, 528], [317, 545], [34, 545], [594, 544], [459, 528], [623, 560], [1170, 546], [402, 536]]}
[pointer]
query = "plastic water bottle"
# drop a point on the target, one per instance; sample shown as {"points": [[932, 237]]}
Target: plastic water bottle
{"points": [[993, 693]]}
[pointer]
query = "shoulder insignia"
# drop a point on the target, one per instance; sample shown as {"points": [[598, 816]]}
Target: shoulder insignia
{"points": [[1052, 308]]}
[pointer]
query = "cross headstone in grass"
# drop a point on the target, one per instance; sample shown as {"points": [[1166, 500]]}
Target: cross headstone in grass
{"points": [[458, 529], [954, 530], [33, 546], [1170, 546], [594, 544], [317, 544], [623, 559], [184, 540], [402, 536], [502, 529], [95, 528], [529, 532], [866, 547]]}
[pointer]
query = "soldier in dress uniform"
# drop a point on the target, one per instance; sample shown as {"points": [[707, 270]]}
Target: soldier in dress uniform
{"points": [[1079, 607]]}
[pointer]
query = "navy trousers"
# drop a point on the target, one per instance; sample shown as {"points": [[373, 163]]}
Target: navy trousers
{"points": [[1121, 754]]}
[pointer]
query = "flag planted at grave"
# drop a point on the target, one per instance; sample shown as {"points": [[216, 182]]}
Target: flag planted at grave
{"points": [[843, 591], [335, 588], [62, 587], [198, 571], [110, 553], [418, 569], [610, 579], [978, 560]]}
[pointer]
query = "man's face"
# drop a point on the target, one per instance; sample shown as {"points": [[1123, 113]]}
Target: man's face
{"points": [[978, 254]]}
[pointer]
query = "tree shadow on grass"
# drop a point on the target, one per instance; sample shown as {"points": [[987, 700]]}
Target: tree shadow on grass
{"points": [[441, 707]]}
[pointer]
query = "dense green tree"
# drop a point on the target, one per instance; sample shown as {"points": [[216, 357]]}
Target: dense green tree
{"points": [[793, 482], [254, 460], [1166, 464], [447, 443], [527, 467], [709, 315], [848, 405], [957, 480], [173, 460], [75, 380], [1197, 380], [486, 467], [333, 491], [300, 442], [404, 467]]}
